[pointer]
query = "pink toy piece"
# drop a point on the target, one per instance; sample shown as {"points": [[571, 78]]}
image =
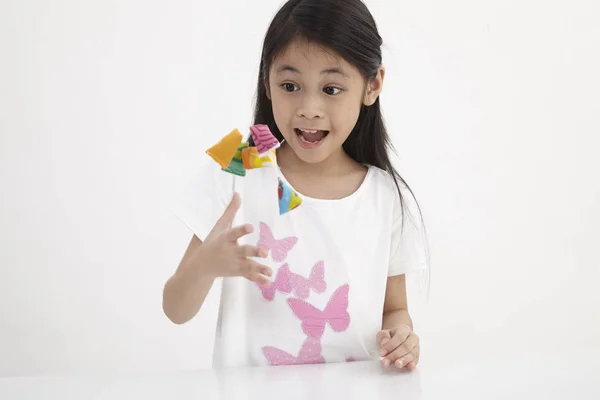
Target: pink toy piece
{"points": [[264, 141], [281, 283], [315, 281], [314, 320], [310, 353], [278, 248]]}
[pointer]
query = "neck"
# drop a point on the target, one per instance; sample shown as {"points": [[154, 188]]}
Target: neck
{"points": [[338, 162]]}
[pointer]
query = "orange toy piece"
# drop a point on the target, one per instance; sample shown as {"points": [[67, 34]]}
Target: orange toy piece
{"points": [[224, 150], [252, 159]]}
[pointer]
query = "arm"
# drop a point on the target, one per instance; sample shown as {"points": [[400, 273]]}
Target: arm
{"points": [[186, 290], [395, 308], [399, 345], [202, 263]]}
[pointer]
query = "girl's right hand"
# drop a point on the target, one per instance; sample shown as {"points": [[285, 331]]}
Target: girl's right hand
{"points": [[225, 257]]}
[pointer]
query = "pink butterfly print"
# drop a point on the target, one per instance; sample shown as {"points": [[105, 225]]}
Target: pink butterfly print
{"points": [[278, 248], [314, 320], [315, 281], [310, 353], [281, 283]]}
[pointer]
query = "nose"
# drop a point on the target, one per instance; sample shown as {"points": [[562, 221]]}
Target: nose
{"points": [[310, 108]]}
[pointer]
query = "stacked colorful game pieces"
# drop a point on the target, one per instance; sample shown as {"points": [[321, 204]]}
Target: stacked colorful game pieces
{"points": [[236, 157]]}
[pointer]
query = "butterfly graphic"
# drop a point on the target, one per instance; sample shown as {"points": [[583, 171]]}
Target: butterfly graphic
{"points": [[310, 353], [314, 320], [315, 281], [281, 283], [278, 248]]}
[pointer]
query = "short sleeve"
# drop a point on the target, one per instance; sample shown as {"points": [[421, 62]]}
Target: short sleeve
{"points": [[202, 201], [409, 248]]}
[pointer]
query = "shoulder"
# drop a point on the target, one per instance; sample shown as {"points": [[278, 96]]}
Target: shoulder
{"points": [[408, 246], [210, 180], [383, 179], [403, 201], [384, 182], [203, 197]]}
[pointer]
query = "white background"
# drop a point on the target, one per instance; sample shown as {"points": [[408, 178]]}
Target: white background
{"points": [[106, 108]]}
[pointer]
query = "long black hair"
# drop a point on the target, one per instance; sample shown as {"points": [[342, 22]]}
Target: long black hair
{"points": [[347, 28]]}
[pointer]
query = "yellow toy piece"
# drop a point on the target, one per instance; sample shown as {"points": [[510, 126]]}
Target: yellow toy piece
{"points": [[295, 201], [252, 159], [225, 149]]}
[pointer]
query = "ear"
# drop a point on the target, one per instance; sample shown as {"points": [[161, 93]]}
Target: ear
{"points": [[374, 87]]}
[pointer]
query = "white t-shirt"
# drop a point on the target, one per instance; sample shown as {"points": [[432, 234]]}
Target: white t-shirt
{"points": [[330, 261]]}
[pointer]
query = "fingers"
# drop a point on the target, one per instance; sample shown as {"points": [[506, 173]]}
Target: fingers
{"points": [[260, 279], [382, 337], [398, 336], [256, 272], [236, 233], [413, 364], [404, 354], [226, 220], [409, 361], [402, 362], [253, 251]]}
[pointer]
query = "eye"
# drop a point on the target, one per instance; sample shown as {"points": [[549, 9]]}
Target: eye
{"points": [[332, 90], [289, 87]]}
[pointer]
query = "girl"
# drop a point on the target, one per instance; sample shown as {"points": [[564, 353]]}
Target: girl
{"points": [[324, 282]]}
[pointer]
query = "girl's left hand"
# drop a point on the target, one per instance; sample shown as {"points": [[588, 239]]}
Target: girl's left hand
{"points": [[399, 346]]}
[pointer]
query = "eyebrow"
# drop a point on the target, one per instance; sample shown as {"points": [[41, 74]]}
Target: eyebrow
{"points": [[327, 71]]}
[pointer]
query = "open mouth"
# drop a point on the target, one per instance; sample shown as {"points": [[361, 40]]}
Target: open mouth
{"points": [[311, 136]]}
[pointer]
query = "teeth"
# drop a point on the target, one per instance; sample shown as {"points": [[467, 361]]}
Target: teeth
{"points": [[302, 138], [308, 130]]}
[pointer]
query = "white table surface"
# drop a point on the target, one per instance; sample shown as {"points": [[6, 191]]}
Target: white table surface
{"points": [[573, 375]]}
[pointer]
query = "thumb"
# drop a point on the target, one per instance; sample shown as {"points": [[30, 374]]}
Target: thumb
{"points": [[226, 220], [383, 336]]}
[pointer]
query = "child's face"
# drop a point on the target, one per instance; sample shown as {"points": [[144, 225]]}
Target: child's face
{"points": [[316, 98]]}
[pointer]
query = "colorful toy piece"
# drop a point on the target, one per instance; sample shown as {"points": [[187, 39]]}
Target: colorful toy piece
{"points": [[251, 159], [224, 150], [263, 139], [236, 166], [288, 198], [236, 156]]}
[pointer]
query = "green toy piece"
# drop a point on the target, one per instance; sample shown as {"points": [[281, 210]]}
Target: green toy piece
{"points": [[236, 166]]}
